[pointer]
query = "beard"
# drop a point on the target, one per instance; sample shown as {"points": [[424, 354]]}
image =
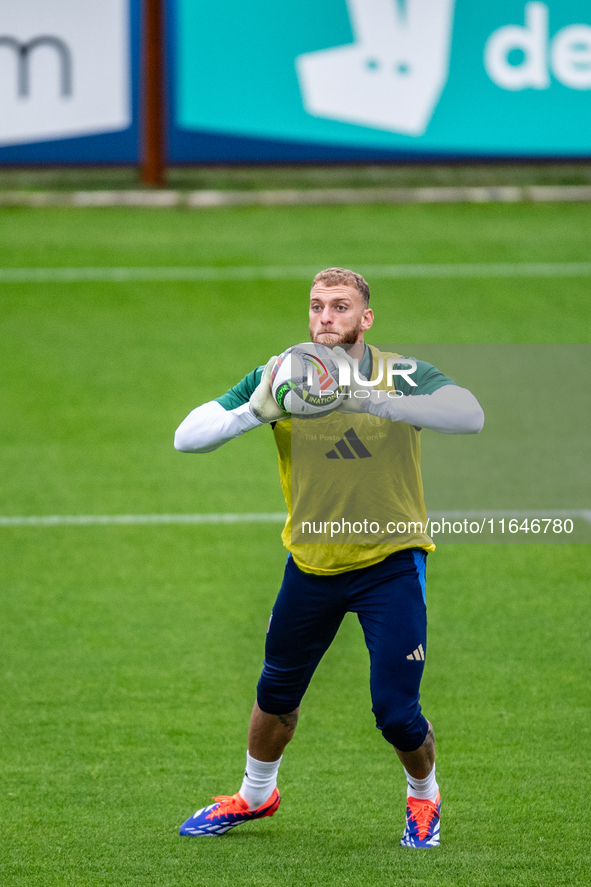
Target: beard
{"points": [[348, 337]]}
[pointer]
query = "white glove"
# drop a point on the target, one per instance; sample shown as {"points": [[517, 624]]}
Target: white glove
{"points": [[351, 403], [262, 403]]}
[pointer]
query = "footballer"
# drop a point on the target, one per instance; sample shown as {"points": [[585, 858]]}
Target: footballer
{"points": [[381, 580]]}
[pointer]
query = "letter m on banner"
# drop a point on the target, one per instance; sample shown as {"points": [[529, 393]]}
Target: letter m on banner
{"points": [[64, 69]]}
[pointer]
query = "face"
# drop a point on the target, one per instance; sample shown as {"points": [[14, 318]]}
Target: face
{"points": [[338, 315]]}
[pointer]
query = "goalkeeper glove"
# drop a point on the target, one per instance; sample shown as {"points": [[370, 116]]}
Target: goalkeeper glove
{"points": [[262, 403]]}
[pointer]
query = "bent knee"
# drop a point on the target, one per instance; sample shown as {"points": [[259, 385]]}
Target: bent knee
{"points": [[280, 691], [406, 732]]}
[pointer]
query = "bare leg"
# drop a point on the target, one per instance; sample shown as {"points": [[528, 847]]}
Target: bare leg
{"points": [[269, 734], [419, 762]]}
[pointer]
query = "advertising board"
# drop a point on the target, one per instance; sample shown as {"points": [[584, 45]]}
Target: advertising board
{"points": [[67, 82], [328, 79], [316, 81]]}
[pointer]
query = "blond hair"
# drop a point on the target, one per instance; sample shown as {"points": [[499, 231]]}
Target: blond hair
{"points": [[342, 276]]}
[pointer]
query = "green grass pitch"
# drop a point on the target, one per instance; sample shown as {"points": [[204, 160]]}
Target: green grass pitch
{"points": [[130, 654]]}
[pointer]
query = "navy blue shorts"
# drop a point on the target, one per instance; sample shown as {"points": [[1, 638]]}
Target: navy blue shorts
{"points": [[389, 599]]}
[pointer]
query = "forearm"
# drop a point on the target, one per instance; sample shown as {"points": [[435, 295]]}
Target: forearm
{"points": [[210, 425], [449, 410]]}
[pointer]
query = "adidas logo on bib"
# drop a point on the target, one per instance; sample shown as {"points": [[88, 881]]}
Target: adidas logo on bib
{"points": [[349, 447]]}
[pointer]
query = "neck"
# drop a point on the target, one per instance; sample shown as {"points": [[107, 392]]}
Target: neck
{"points": [[357, 350]]}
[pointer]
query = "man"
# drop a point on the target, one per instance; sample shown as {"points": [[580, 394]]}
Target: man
{"points": [[380, 579]]}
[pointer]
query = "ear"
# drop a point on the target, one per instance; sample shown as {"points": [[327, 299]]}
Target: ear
{"points": [[367, 321]]}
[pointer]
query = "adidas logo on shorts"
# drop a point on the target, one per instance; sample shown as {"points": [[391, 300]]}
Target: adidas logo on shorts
{"points": [[418, 654]]}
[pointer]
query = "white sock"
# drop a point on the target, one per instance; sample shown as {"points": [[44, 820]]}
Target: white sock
{"points": [[260, 780], [425, 789]]}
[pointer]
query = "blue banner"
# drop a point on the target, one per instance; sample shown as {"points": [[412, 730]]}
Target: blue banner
{"points": [[316, 81], [353, 79]]}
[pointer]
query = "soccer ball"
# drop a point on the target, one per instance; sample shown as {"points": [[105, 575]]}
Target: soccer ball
{"points": [[304, 381]]}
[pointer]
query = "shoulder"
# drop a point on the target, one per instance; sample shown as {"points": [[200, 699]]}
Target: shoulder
{"points": [[241, 392], [427, 377]]}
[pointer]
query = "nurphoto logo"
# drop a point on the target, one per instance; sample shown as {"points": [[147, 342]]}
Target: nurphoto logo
{"points": [[395, 366]]}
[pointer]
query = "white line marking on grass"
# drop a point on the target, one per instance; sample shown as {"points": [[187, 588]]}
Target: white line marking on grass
{"points": [[508, 512], [294, 272], [56, 520], [207, 198]]}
